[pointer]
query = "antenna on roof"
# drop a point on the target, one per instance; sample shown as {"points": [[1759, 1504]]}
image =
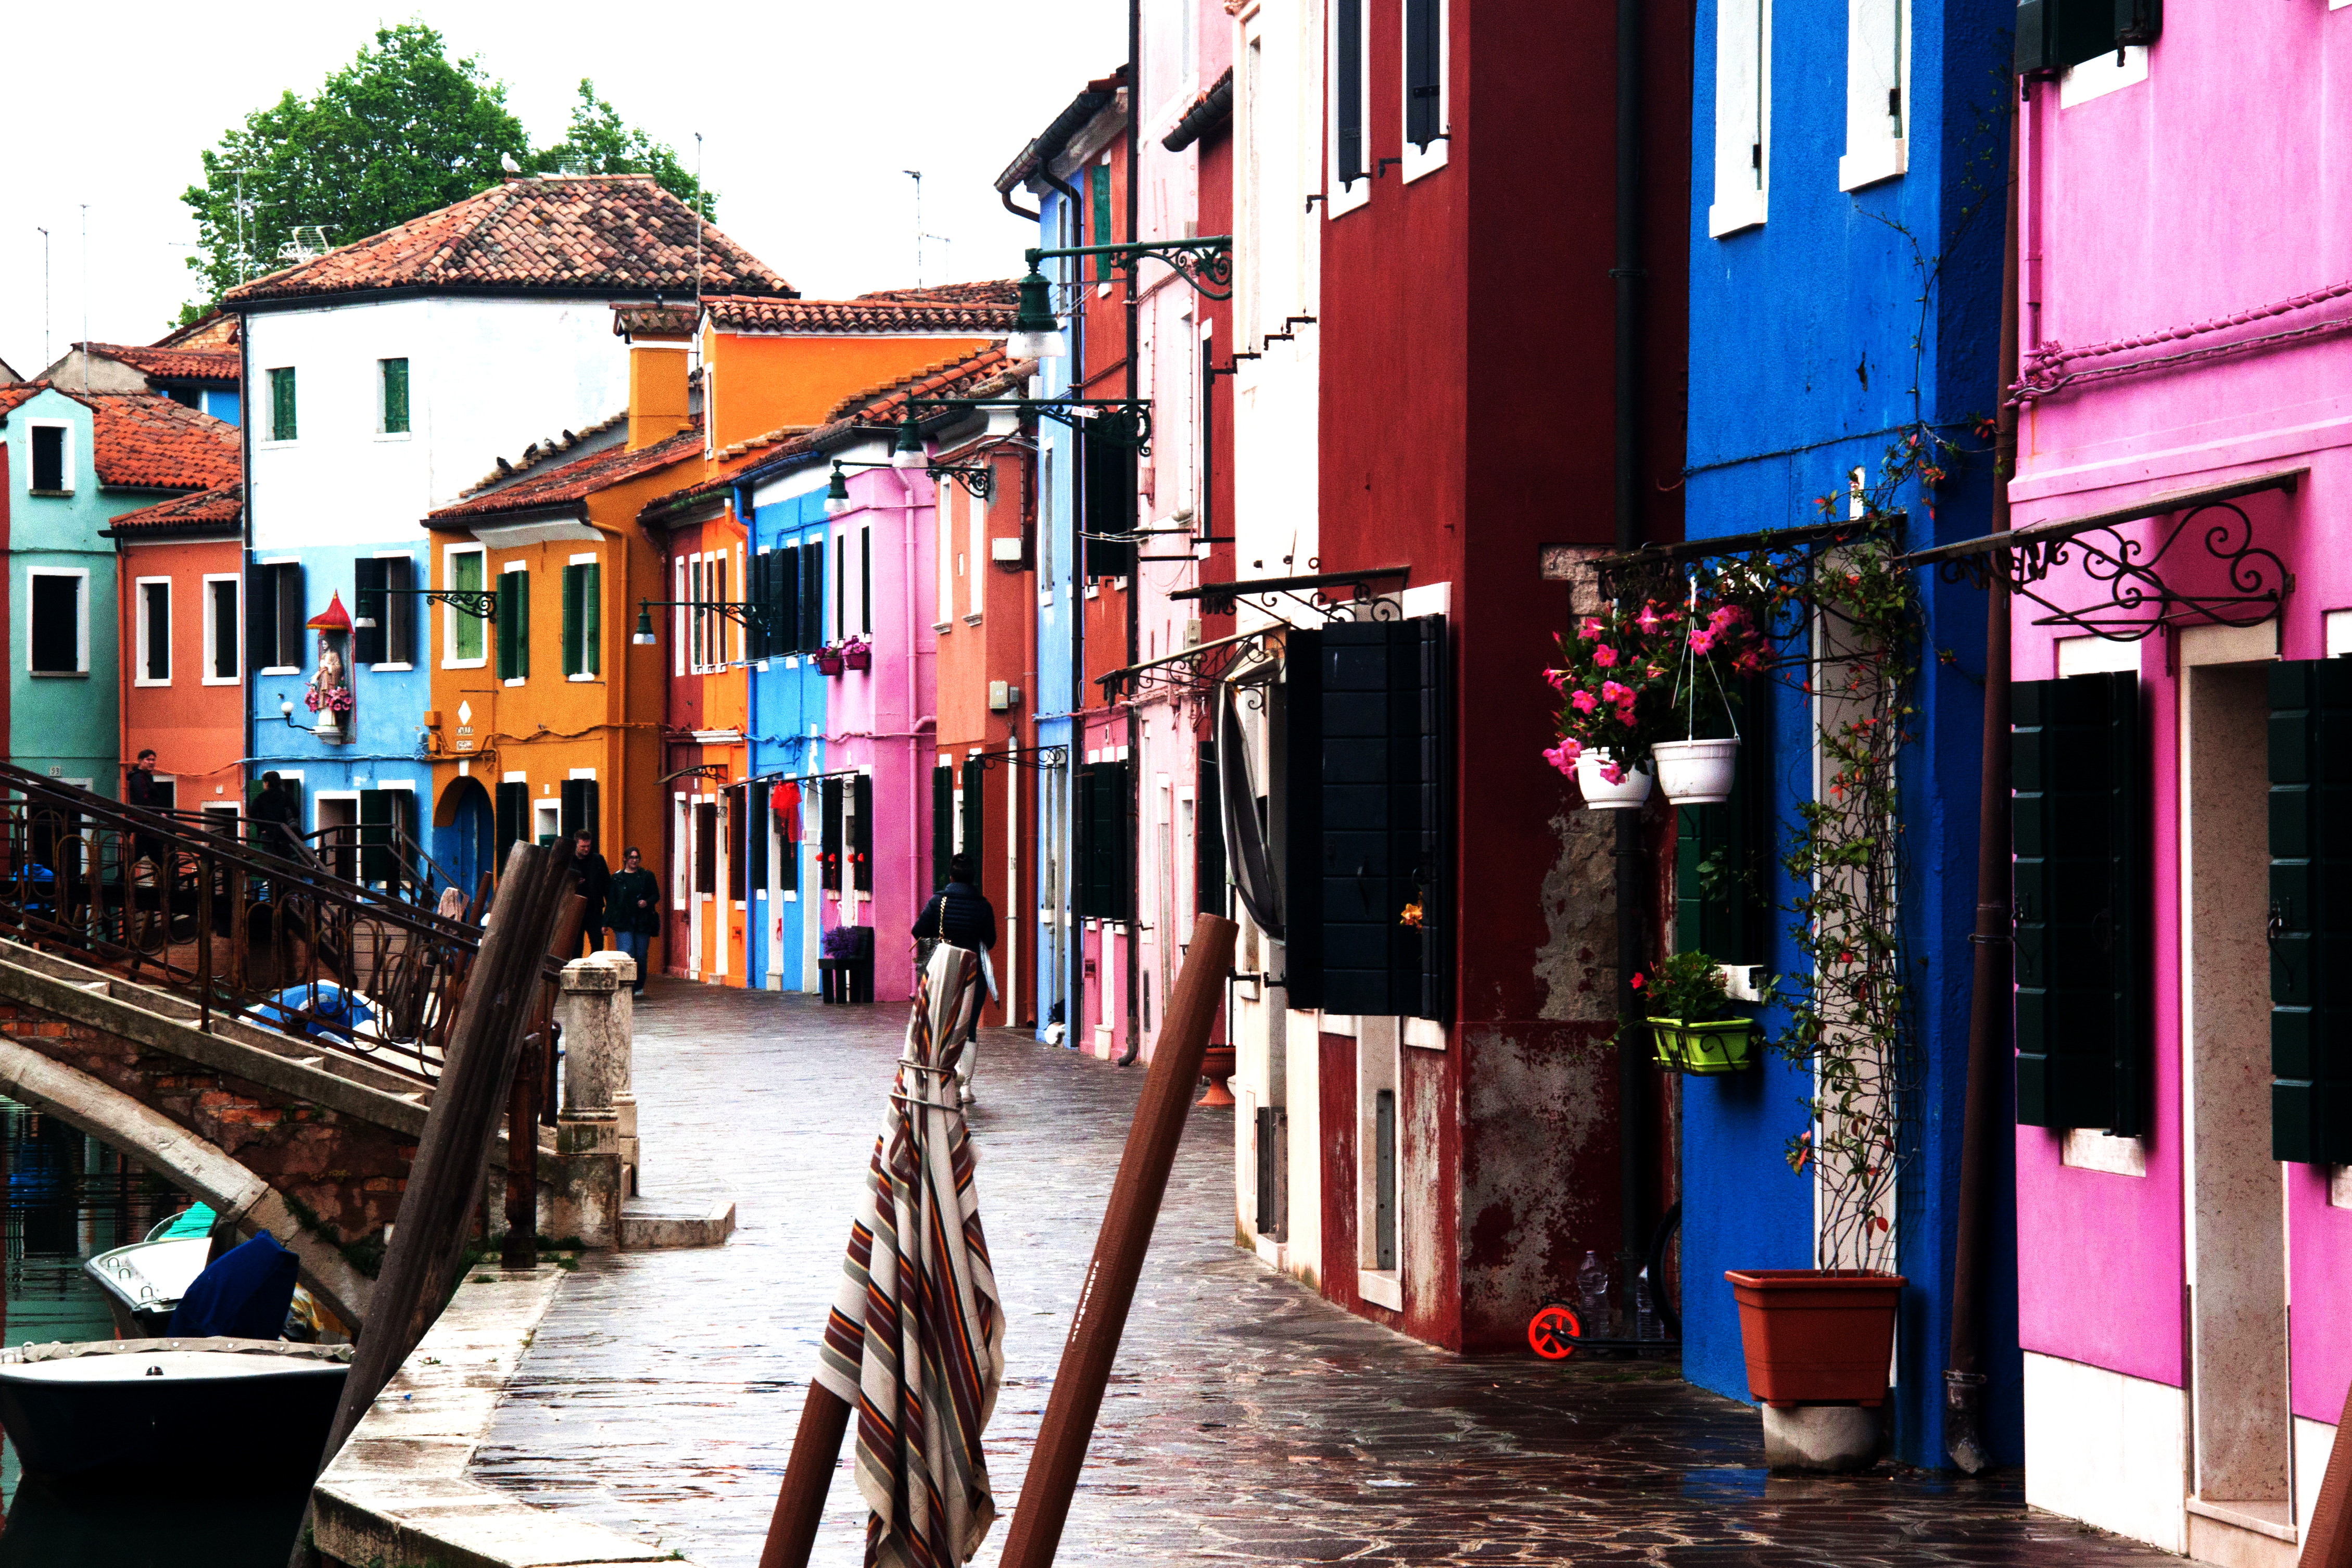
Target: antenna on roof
{"points": [[917, 175], [85, 298], [45, 357]]}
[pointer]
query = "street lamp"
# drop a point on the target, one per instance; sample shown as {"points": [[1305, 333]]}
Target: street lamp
{"points": [[1036, 333], [644, 636], [836, 493], [908, 453]]}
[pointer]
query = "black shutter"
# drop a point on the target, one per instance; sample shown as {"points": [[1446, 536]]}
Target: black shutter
{"points": [[755, 835], [158, 631], [1370, 781], [368, 604], [2078, 826], [812, 594], [1302, 809], [399, 612], [2055, 34], [829, 840], [738, 823], [861, 839], [942, 822], [1717, 902], [375, 835], [290, 616], [1423, 52], [755, 593], [223, 609], [1209, 897], [1082, 843], [577, 808], [1429, 949], [513, 817], [2311, 911], [705, 847], [975, 813], [1348, 88], [788, 599], [261, 616], [1109, 506]]}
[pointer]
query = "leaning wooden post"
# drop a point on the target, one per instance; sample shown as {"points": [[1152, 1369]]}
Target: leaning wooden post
{"points": [[1110, 1289], [808, 1476], [2328, 1542], [521, 1249]]}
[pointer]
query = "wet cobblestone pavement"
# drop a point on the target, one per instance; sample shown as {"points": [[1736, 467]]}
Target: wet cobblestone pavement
{"points": [[1248, 1422]]}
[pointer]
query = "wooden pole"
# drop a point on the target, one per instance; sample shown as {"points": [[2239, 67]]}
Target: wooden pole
{"points": [[1109, 1289], [2328, 1542], [808, 1476], [452, 1153], [521, 1249]]}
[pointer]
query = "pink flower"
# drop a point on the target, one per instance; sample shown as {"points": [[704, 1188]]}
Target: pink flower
{"points": [[1748, 663], [1558, 679], [1648, 619], [1563, 756], [1625, 716], [1590, 630], [1613, 691], [1614, 775], [1584, 701], [1701, 642], [1605, 656]]}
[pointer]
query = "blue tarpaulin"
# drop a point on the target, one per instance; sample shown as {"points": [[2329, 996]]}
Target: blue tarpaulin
{"points": [[243, 1293], [301, 1009]]}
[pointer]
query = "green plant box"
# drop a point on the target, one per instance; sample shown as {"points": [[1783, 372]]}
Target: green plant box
{"points": [[1726, 1046]]}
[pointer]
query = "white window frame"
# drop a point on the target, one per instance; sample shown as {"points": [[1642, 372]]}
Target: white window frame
{"points": [[68, 460], [506, 567], [1339, 199], [1876, 141], [450, 613], [81, 631], [381, 433], [943, 515], [1743, 116], [236, 618], [391, 664], [1418, 162], [270, 563], [586, 558], [677, 644], [1380, 1065], [139, 586], [975, 579], [264, 433]]}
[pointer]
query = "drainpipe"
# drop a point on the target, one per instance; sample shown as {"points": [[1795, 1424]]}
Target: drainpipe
{"points": [[1964, 1378], [1629, 890], [1071, 950], [1135, 573]]}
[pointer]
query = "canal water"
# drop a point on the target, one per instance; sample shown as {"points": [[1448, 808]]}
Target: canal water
{"points": [[69, 1199]]}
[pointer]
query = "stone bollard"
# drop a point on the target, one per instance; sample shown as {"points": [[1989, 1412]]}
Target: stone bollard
{"points": [[597, 1016], [617, 1062]]}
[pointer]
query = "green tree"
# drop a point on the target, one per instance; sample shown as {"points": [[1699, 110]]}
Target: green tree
{"points": [[400, 130], [598, 143]]}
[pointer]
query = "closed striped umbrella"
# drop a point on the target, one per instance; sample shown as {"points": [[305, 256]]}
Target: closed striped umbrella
{"points": [[916, 1341]]}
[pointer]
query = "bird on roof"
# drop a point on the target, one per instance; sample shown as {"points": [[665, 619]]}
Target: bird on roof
{"points": [[506, 162]]}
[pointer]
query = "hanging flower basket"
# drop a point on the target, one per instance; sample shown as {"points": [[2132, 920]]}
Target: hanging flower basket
{"points": [[857, 655], [1696, 772], [1624, 793], [828, 660], [1705, 1050]]}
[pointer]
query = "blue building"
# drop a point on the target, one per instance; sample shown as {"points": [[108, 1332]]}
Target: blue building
{"points": [[1845, 269]]}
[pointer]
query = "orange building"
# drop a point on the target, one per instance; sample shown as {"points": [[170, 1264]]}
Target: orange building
{"points": [[181, 630]]}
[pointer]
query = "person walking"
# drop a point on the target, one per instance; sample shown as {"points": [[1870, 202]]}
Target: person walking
{"points": [[593, 880], [633, 908], [143, 789], [275, 809], [961, 915]]}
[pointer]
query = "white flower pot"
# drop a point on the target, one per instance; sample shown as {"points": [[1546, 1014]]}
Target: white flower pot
{"points": [[1626, 794], [1696, 773]]}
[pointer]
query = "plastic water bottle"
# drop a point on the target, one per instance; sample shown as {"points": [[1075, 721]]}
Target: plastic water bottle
{"points": [[1646, 1325], [1593, 1293]]}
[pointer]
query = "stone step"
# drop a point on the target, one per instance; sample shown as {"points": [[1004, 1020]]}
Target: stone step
{"points": [[651, 1224]]}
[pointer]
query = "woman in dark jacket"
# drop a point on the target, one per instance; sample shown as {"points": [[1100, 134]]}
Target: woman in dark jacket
{"points": [[633, 908], [961, 915]]}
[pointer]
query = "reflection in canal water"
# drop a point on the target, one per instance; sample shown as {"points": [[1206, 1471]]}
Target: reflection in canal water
{"points": [[68, 1198]]}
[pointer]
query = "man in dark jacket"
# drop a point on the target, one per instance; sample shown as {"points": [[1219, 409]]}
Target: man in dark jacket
{"points": [[275, 810], [593, 880], [961, 915], [634, 909], [141, 789]]}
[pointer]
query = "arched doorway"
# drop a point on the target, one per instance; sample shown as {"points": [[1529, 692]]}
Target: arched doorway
{"points": [[463, 821]]}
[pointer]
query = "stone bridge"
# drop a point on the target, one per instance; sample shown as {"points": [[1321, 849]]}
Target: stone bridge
{"points": [[310, 1142]]}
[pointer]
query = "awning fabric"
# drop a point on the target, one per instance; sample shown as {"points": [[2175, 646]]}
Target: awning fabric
{"points": [[1246, 860]]}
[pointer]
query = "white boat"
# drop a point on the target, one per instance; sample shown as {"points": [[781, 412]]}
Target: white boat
{"points": [[144, 1281]]}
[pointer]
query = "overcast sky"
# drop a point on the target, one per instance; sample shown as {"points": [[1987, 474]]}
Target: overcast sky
{"points": [[809, 112]]}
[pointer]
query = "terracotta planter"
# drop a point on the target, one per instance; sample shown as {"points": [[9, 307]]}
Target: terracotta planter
{"points": [[1217, 1065], [1626, 794], [1816, 1336], [1707, 1049], [1696, 773], [828, 661], [858, 656]]}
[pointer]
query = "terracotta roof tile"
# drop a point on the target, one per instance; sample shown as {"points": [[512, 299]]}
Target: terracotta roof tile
{"points": [[580, 233], [984, 372], [546, 450], [214, 330], [974, 308], [577, 480], [222, 365], [220, 507], [143, 440], [17, 392]]}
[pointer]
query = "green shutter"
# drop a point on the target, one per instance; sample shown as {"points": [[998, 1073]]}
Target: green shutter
{"points": [[1716, 895], [375, 835], [466, 632], [1100, 176], [507, 617], [282, 426], [395, 396], [591, 619], [942, 822], [2311, 911], [571, 625], [2078, 824]]}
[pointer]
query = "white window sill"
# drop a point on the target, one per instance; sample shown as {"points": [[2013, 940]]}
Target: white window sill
{"points": [[393, 666], [58, 674], [1868, 167], [1346, 198], [1424, 1034], [393, 434], [445, 664], [2100, 76], [1736, 215], [221, 680], [972, 619], [515, 680], [2088, 1149], [1045, 596], [588, 678], [1419, 162], [1094, 590], [52, 494], [947, 625], [272, 442], [791, 897], [143, 682], [290, 669], [1119, 584], [1382, 1288]]}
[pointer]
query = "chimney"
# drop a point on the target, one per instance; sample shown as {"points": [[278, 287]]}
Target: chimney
{"points": [[657, 336]]}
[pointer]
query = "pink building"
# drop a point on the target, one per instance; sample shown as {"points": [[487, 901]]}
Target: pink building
{"points": [[2183, 770]]}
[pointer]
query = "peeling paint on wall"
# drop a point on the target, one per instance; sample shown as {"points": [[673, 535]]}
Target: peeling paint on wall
{"points": [[1578, 961]]}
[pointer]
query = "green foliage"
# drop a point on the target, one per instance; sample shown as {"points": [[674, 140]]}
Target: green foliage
{"points": [[400, 130], [1687, 987]]}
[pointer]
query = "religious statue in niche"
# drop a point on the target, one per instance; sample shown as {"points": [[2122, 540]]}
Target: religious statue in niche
{"points": [[329, 693]]}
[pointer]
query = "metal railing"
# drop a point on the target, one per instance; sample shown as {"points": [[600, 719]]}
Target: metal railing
{"points": [[263, 931]]}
